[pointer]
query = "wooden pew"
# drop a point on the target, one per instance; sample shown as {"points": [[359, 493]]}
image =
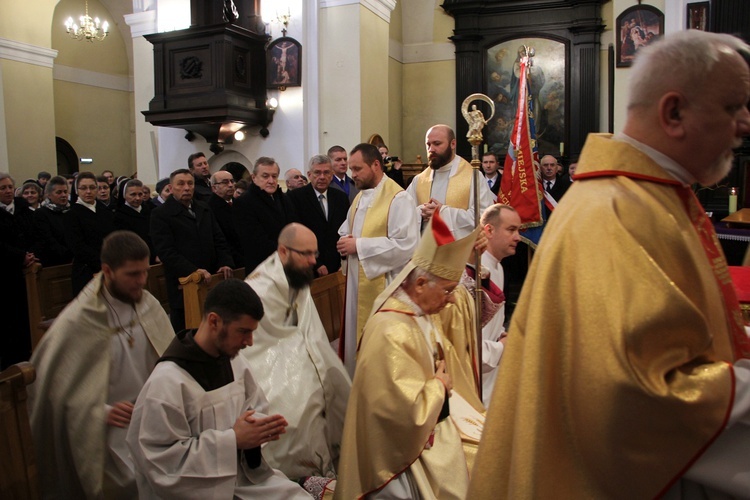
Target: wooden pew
{"points": [[156, 284], [18, 473], [49, 290], [194, 290], [327, 293]]}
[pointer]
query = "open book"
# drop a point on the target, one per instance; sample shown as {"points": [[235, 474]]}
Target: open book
{"points": [[468, 420]]}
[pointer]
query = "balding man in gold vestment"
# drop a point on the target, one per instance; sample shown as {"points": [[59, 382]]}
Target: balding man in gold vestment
{"points": [[624, 375]]}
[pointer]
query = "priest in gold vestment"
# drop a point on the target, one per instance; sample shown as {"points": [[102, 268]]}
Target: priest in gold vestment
{"points": [[399, 441], [624, 374], [446, 185]]}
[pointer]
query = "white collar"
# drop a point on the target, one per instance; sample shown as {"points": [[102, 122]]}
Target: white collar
{"points": [[91, 207]]}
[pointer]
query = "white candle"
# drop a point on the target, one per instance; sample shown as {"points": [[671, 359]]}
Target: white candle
{"points": [[732, 200], [562, 148]]}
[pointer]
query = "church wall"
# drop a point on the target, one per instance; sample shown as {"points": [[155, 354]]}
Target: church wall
{"points": [[340, 79], [29, 119], [27, 111], [622, 74], [97, 123], [429, 98], [395, 109], [27, 23], [93, 93], [374, 75]]}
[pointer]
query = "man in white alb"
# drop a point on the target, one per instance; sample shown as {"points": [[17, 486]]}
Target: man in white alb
{"points": [[91, 364], [377, 240]]}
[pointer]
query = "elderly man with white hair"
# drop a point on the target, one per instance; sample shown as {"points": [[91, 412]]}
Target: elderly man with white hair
{"points": [[627, 376]]}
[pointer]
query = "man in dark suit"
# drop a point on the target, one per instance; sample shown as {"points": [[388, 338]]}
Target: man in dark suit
{"points": [[133, 214], [87, 223], [323, 211], [198, 165], [222, 184], [187, 238], [261, 213], [554, 185], [492, 172], [341, 181]]}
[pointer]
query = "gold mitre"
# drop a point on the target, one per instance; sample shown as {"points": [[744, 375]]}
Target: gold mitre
{"points": [[440, 253]]}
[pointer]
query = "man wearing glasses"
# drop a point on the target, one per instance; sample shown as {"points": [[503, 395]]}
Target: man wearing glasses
{"points": [[293, 363], [222, 185]]}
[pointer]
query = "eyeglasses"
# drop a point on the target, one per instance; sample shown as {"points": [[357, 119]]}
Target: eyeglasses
{"points": [[225, 181], [306, 253]]}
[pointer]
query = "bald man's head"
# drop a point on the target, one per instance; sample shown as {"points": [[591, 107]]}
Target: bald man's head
{"points": [[298, 252]]}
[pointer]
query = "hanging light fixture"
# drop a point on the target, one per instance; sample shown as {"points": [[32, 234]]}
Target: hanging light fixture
{"points": [[89, 30]]}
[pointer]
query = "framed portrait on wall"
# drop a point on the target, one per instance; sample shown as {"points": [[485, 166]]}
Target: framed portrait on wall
{"points": [[697, 16], [548, 82], [637, 27], [284, 63]]}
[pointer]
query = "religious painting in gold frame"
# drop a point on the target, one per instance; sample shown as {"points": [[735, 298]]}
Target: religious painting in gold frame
{"points": [[548, 79]]}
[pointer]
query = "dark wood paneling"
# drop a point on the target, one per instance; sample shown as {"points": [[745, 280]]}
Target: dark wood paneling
{"points": [[481, 24]]}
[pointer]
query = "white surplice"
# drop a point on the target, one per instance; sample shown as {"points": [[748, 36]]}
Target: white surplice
{"points": [[130, 366], [382, 255], [460, 221], [492, 349], [300, 375], [183, 445]]}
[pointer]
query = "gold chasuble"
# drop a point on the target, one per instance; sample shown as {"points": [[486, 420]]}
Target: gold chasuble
{"points": [[375, 226], [459, 186], [392, 417], [616, 375]]}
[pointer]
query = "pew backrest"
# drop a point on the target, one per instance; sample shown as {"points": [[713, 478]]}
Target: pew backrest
{"points": [[18, 472], [49, 290], [194, 291], [327, 293]]}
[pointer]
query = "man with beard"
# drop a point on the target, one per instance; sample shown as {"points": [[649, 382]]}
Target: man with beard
{"points": [[199, 422], [447, 184], [377, 240], [91, 365], [293, 362], [641, 349]]}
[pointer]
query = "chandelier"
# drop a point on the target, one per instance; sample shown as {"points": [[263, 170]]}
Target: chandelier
{"points": [[89, 30]]}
